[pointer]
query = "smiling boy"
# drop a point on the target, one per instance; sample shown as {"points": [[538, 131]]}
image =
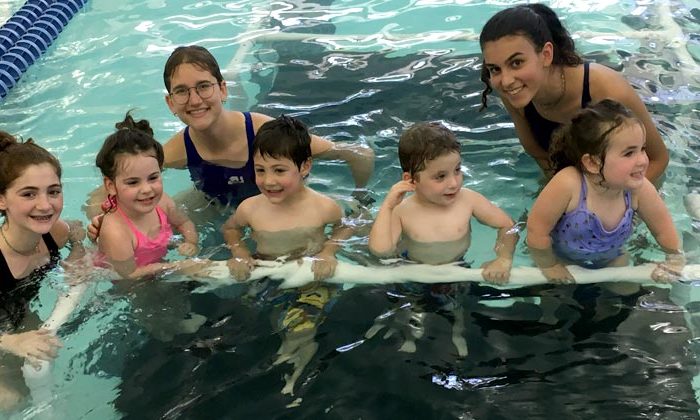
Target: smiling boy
{"points": [[288, 219]]}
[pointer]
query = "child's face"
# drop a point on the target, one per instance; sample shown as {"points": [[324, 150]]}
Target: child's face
{"points": [[137, 184], [34, 201], [626, 159], [441, 180], [279, 179], [516, 69], [199, 113]]}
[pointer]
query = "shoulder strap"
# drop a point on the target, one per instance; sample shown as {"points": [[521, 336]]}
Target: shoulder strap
{"points": [[5, 273], [250, 135], [162, 218], [586, 92], [131, 225], [193, 157], [584, 192], [51, 245]]}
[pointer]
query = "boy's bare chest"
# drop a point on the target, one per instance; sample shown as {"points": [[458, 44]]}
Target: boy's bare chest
{"points": [[436, 226]]}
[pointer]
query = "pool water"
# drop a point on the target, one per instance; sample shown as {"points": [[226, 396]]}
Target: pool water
{"points": [[367, 70]]}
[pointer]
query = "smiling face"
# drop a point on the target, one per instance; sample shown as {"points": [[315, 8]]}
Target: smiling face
{"points": [[137, 184], [34, 201], [199, 113], [440, 181], [516, 70], [279, 179], [626, 160]]}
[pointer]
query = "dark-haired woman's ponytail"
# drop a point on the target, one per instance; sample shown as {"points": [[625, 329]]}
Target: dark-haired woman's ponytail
{"points": [[485, 78], [564, 47]]}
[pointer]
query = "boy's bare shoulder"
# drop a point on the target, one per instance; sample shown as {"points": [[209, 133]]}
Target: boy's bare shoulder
{"points": [[468, 196], [326, 204], [250, 203]]}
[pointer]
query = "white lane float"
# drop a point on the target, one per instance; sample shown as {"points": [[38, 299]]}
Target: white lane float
{"points": [[297, 274]]}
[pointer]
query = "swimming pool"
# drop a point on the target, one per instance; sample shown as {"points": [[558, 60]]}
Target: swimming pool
{"points": [[371, 69]]}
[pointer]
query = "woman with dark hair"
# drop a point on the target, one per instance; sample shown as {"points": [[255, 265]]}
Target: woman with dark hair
{"points": [[531, 62]]}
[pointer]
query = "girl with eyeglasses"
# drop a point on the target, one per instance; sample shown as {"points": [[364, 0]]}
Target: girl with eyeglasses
{"points": [[216, 145]]}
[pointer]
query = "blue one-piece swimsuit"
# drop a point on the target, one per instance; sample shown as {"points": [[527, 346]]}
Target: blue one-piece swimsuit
{"points": [[229, 186], [580, 237]]}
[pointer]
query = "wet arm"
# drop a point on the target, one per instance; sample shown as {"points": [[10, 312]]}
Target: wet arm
{"points": [[527, 138], [546, 211], [241, 262], [180, 221], [342, 230], [611, 84], [93, 204], [655, 214], [359, 157], [491, 215]]}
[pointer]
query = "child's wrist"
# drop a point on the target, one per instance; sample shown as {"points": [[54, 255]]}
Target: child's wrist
{"points": [[544, 258], [675, 258]]}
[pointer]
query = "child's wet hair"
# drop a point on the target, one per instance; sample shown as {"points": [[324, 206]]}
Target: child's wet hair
{"points": [[131, 138], [16, 156], [284, 137], [423, 142], [539, 24], [191, 54], [588, 133]]}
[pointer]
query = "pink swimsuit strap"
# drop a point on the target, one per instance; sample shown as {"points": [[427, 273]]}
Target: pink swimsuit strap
{"points": [[147, 250]]}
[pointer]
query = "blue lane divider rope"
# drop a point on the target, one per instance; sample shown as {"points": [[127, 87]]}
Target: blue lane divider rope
{"points": [[29, 33], [20, 22]]}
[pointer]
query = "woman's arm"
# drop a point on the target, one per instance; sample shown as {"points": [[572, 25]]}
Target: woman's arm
{"points": [[359, 157], [527, 139], [607, 83]]}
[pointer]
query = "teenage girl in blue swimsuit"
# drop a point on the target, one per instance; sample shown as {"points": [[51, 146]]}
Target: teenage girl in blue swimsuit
{"points": [[216, 144], [530, 61]]}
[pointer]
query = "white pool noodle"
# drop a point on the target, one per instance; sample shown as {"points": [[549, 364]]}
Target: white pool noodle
{"points": [[294, 274], [39, 380]]}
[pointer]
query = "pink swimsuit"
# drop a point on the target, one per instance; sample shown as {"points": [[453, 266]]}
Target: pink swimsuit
{"points": [[149, 251]]}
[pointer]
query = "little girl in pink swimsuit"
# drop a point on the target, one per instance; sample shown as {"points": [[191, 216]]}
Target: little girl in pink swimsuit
{"points": [[139, 217]]}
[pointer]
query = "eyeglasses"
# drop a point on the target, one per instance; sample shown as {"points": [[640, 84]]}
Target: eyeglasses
{"points": [[181, 94]]}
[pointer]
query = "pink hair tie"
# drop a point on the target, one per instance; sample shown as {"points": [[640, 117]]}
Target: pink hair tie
{"points": [[110, 204]]}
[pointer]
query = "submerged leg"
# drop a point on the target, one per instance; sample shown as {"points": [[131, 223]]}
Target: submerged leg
{"points": [[300, 323]]}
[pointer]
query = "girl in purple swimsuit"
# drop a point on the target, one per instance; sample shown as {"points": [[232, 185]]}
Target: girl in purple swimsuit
{"points": [[139, 216], [531, 62], [583, 216]]}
